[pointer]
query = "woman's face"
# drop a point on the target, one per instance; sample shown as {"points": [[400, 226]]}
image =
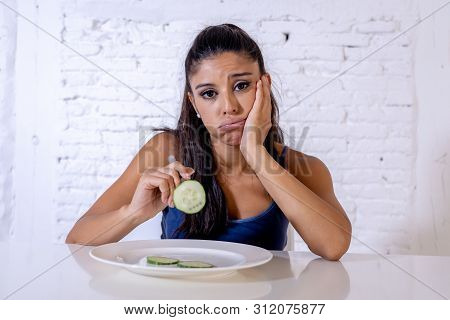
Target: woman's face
{"points": [[224, 90]]}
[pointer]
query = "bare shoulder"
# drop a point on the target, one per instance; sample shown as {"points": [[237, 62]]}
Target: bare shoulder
{"points": [[156, 151], [314, 174], [310, 170]]}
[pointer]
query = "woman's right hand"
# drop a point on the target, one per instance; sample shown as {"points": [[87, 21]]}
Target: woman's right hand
{"points": [[155, 188]]}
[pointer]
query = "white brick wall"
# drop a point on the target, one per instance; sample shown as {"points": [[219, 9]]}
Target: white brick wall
{"points": [[360, 137], [7, 50], [362, 125], [432, 206]]}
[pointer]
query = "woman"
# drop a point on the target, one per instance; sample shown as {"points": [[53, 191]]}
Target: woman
{"points": [[229, 140]]}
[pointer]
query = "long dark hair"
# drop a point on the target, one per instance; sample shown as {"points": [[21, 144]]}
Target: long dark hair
{"points": [[194, 140]]}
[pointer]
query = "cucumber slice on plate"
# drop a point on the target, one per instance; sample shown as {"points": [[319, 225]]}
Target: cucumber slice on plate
{"points": [[194, 264], [158, 260], [189, 196]]}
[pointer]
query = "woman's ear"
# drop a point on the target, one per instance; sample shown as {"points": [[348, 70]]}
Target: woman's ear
{"points": [[191, 100]]}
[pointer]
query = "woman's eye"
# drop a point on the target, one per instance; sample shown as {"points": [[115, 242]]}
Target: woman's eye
{"points": [[242, 85], [209, 94]]}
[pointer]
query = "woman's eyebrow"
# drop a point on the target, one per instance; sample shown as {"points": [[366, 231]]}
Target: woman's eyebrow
{"points": [[241, 74], [234, 75]]}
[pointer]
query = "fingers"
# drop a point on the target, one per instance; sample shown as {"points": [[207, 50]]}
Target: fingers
{"points": [[172, 172], [166, 179], [176, 179], [185, 172], [166, 186], [259, 93], [267, 106], [262, 99], [178, 169], [266, 86], [154, 178]]}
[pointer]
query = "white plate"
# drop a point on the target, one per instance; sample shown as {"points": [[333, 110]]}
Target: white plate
{"points": [[227, 257]]}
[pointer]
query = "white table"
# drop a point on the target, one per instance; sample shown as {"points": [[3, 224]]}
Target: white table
{"points": [[63, 271]]}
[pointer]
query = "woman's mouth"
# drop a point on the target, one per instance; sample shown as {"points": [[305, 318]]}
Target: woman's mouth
{"points": [[232, 126]]}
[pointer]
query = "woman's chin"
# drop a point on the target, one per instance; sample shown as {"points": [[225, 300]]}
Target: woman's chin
{"points": [[232, 138]]}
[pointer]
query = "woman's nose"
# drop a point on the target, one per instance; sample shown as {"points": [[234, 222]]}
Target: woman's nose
{"points": [[229, 104], [229, 111]]}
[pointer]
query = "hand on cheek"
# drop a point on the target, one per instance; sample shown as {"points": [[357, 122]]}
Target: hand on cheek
{"points": [[258, 121]]}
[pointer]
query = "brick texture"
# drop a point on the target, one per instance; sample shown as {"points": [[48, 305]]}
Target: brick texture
{"points": [[361, 125]]}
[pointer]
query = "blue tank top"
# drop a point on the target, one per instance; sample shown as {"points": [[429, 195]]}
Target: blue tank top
{"points": [[267, 230]]}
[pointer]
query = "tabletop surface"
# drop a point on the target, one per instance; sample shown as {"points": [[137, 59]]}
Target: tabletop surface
{"points": [[61, 271]]}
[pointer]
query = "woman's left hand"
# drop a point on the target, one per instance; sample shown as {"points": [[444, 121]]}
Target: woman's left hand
{"points": [[259, 120]]}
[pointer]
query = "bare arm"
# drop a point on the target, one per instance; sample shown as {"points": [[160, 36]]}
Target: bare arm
{"points": [[110, 217], [107, 227], [309, 203]]}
